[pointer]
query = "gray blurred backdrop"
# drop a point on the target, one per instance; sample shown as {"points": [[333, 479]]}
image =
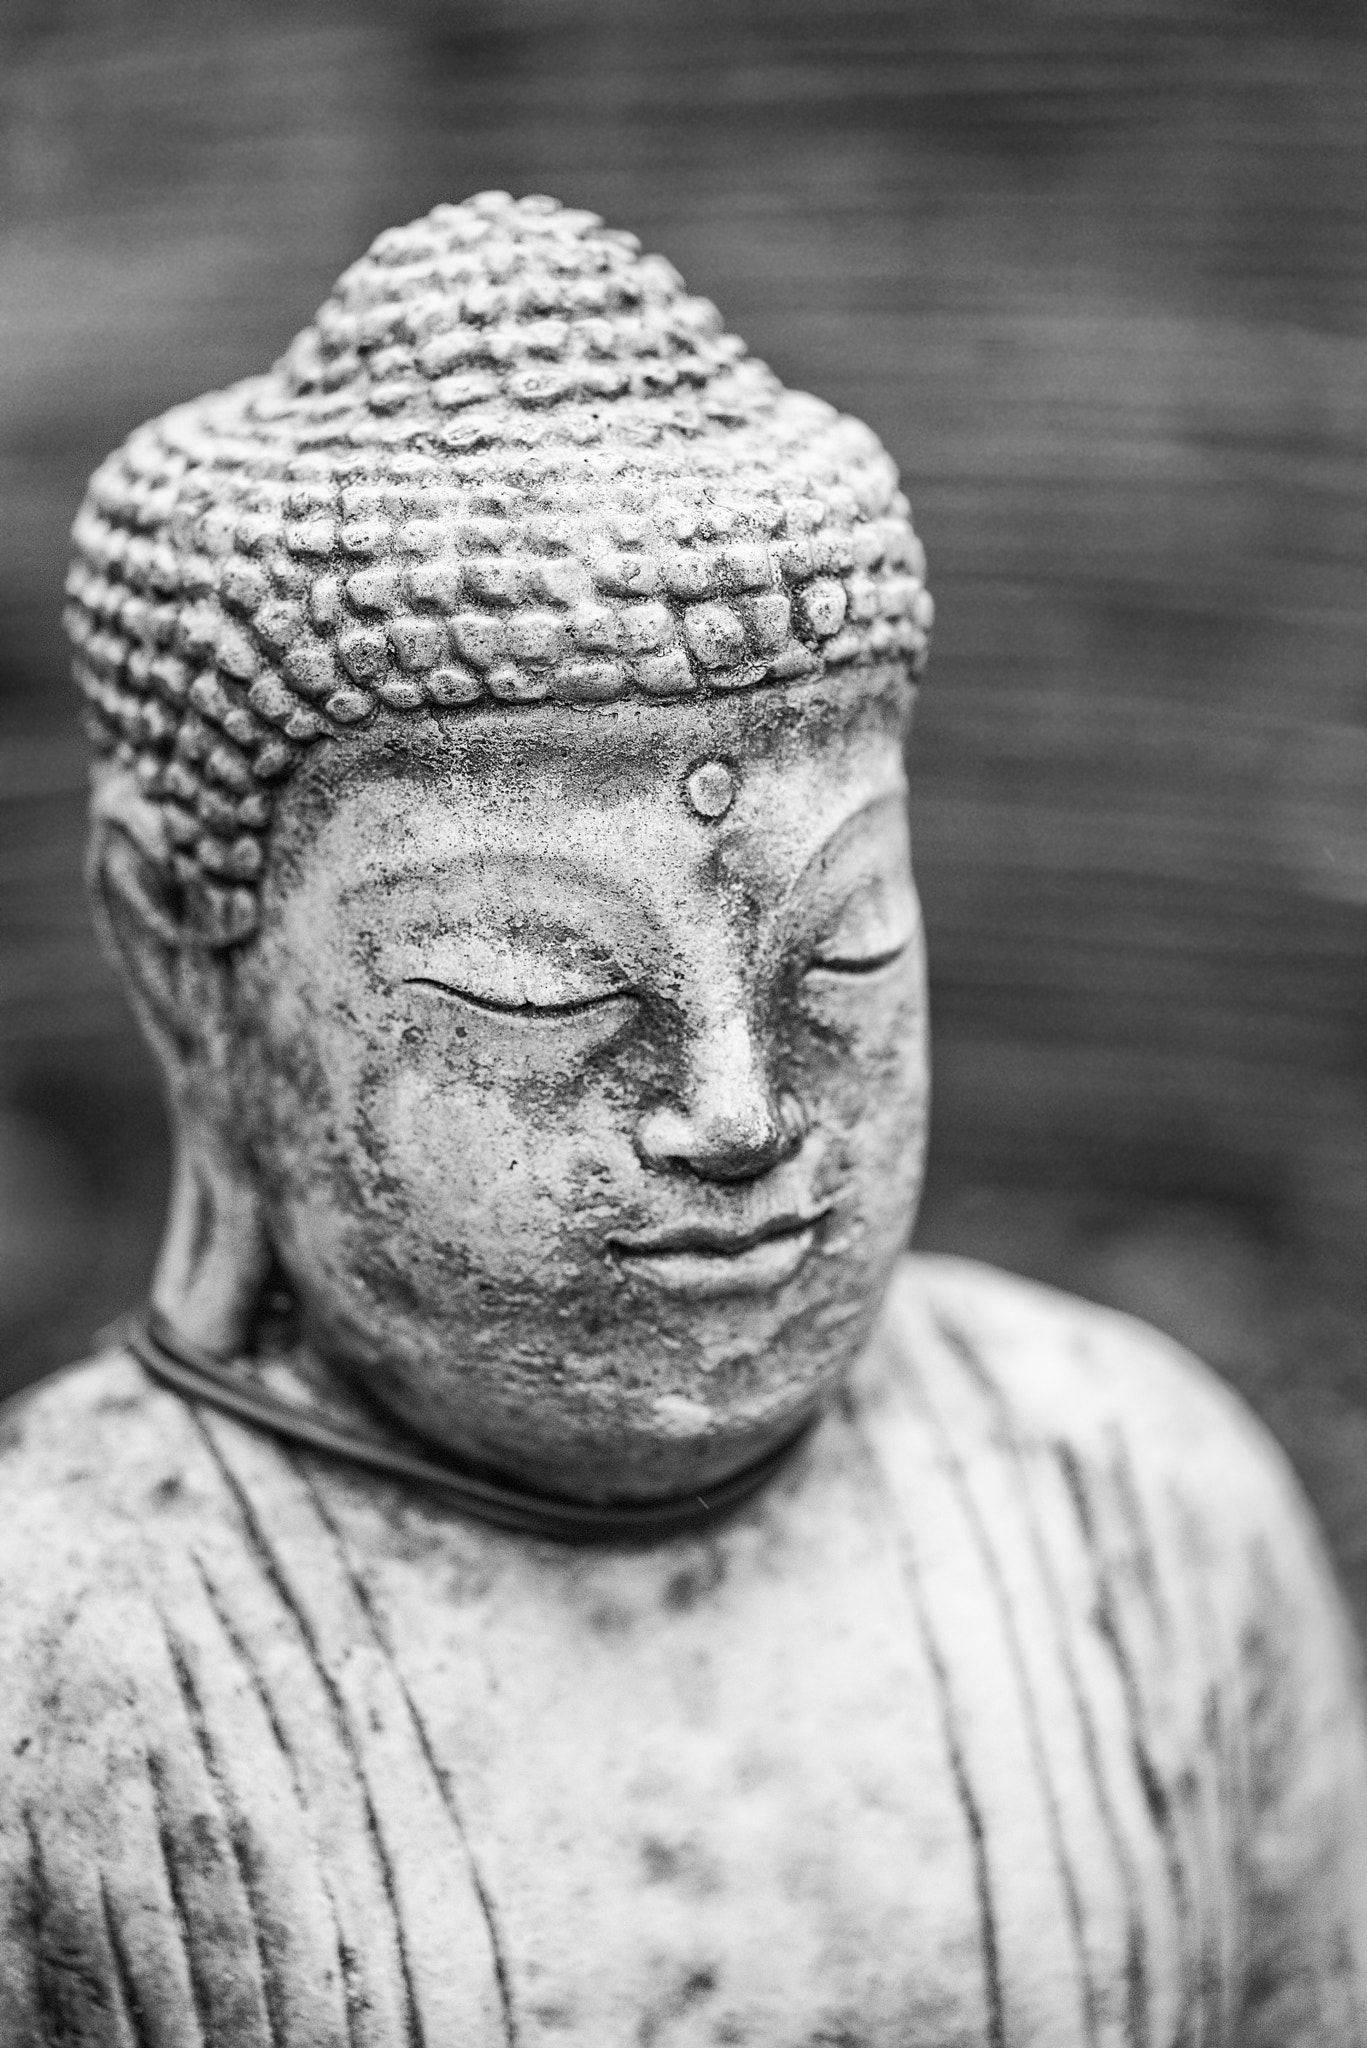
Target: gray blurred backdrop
{"points": [[1097, 273]]}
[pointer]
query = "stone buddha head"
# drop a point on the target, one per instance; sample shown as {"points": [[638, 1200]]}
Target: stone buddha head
{"points": [[499, 818]]}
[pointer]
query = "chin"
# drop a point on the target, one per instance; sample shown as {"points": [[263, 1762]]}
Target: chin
{"points": [[606, 1374], [643, 1392]]}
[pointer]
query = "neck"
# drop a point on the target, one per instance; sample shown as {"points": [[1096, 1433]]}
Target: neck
{"points": [[196, 1375]]}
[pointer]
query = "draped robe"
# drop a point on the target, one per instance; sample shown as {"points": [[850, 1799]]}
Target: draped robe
{"points": [[1019, 1709]]}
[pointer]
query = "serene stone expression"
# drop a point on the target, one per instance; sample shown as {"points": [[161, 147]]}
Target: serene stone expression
{"points": [[581, 1061]]}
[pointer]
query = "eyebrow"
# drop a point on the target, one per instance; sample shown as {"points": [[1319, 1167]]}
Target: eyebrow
{"points": [[889, 797], [401, 868], [449, 869]]}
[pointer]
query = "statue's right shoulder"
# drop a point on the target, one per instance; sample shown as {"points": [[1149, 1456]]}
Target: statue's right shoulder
{"points": [[102, 1476], [153, 1656], [96, 1442]]}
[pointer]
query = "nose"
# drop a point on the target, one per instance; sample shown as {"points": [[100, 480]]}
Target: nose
{"points": [[730, 1123]]}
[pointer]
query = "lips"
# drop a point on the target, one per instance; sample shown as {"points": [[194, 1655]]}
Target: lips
{"points": [[705, 1260]]}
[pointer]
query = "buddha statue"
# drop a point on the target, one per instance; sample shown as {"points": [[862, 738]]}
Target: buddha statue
{"points": [[550, 1569]]}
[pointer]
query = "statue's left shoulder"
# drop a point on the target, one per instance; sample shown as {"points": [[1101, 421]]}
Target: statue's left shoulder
{"points": [[1209, 1566], [1101, 1386]]}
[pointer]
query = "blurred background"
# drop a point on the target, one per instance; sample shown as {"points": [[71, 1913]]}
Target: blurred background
{"points": [[1096, 270]]}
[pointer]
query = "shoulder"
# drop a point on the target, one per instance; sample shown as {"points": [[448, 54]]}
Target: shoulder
{"points": [[1203, 1559], [115, 1497], [97, 1468], [1151, 1442], [148, 1640], [92, 1449], [1099, 1386], [81, 1406], [1175, 1488], [90, 1432]]}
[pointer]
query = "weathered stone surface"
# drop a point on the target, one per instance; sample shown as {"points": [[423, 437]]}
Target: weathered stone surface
{"points": [[546, 1054], [528, 511], [1019, 1710]]}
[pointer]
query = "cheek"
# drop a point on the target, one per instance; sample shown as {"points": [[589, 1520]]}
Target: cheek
{"points": [[510, 1175], [860, 1062], [376, 1133]]}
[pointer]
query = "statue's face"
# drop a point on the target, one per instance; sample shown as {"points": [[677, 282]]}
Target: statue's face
{"points": [[587, 1091]]}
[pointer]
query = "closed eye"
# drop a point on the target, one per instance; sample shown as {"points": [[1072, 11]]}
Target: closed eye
{"points": [[865, 963], [574, 1007]]}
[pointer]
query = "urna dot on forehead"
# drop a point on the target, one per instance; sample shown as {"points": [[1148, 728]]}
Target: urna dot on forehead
{"points": [[512, 461], [711, 789]]}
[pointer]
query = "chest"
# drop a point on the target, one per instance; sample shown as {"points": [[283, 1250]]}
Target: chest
{"points": [[908, 1753], [838, 1774]]}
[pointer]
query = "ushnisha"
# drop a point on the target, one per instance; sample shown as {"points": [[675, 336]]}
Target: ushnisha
{"points": [[512, 461], [550, 1569]]}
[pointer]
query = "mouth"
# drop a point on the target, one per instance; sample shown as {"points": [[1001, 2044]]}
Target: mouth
{"points": [[702, 1260]]}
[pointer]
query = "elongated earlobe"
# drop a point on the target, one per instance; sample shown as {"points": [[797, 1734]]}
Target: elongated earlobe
{"points": [[135, 916], [215, 1258]]}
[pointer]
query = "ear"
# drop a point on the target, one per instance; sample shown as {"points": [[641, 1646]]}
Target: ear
{"points": [[215, 1258], [136, 911], [140, 911]]}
